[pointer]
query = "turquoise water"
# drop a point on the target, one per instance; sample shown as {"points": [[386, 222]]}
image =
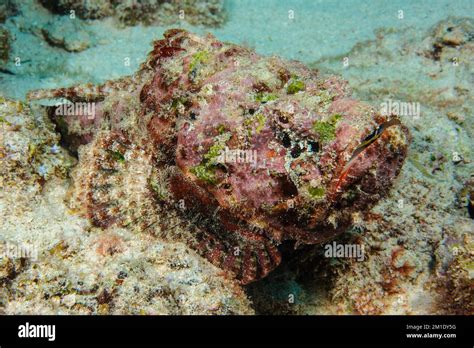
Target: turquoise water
{"points": [[297, 29], [327, 27]]}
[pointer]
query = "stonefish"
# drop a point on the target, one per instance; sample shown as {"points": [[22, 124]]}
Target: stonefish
{"points": [[261, 149]]}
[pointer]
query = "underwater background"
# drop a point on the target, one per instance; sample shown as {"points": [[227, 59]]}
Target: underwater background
{"points": [[419, 251]]}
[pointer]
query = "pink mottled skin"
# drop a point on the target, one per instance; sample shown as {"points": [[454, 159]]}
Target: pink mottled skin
{"points": [[198, 96]]}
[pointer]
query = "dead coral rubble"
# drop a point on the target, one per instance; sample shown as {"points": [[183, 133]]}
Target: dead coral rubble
{"points": [[150, 12], [54, 262]]}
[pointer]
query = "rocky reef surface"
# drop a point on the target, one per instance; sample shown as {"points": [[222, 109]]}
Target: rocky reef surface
{"points": [[149, 12], [54, 262]]}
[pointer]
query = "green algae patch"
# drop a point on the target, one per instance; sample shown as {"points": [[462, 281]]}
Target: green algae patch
{"points": [[221, 129], [295, 86], [2, 120], [206, 170], [117, 156], [216, 149], [258, 120], [175, 104], [198, 58], [316, 192], [326, 129], [262, 97], [58, 249], [261, 122], [32, 149]]}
